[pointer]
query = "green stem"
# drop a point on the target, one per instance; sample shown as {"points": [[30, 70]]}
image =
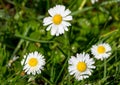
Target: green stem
{"points": [[46, 80], [82, 10], [68, 55], [69, 51], [61, 70], [20, 42], [31, 39], [109, 33], [83, 3], [24, 50], [104, 68]]}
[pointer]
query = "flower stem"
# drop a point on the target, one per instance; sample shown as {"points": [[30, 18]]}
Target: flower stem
{"points": [[67, 42], [20, 42], [104, 68], [82, 4]]}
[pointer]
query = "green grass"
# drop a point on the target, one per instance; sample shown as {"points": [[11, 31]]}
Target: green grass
{"points": [[22, 31]]}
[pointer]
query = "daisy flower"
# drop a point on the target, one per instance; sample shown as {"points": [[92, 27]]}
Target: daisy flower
{"points": [[81, 66], [12, 60], [101, 51], [58, 20], [33, 63], [94, 1]]}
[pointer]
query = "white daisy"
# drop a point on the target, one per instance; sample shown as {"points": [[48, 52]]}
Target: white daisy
{"points": [[12, 60], [101, 51], [81, 66], [33, 63], [94, 1], [58, 20]]}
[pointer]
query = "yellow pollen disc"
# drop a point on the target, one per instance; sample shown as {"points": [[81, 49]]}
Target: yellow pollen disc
{"points": [[33, 62], [81, 66], [57, 19], [101, 49]]}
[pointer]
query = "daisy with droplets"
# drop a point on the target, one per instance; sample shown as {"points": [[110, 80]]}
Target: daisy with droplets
{"points": [[33, 63], [101, 51], [81, 66], [58, 20]]}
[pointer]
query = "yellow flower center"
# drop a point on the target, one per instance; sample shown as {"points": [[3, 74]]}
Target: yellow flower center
{"points": [[81, 66], [33, 62], [101, 49], [57, 19]]}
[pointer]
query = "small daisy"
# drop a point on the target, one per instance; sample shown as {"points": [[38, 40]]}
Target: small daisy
{"points": [[12, 60], [33, 63], [101, 51], [94, 1], [58, 20], [81, 66]]}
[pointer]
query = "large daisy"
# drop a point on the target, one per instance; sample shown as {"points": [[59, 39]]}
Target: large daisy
{"points": [[101, 51], [81, 66], [58, 20], [33, 63]]}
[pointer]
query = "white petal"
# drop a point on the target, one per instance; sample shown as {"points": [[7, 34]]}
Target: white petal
{"points": [[49, 27], [60, 29], [65, 28], [67, 18], [67, 12], [60, 9], [52, 12], [47, 21], [54, 30], [66, 23]]}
